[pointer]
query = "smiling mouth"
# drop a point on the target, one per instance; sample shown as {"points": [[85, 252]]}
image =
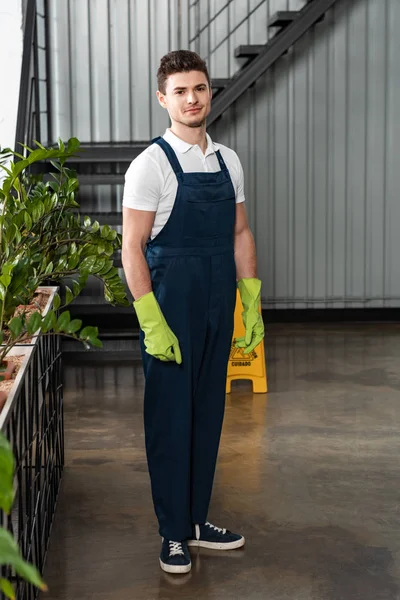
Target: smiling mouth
{"points": [[192, 110]]}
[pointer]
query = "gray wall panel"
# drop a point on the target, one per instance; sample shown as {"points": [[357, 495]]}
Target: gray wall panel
{"points": [[318, 135]]}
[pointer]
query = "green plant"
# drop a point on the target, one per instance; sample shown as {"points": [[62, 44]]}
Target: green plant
{"points": [[44, 239]]}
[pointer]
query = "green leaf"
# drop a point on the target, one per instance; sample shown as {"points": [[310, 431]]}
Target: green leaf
{"points": [[27, 220], [34, 322], [3, 291], [56, 302], [74, 326], [68, 295], [7, 589], [49, 321], [49, 268], [15, 326], [95, 226], [107, 267], [87, 221], [6, 474], [98, 265], [94, 341], [73, 145], [5, 280], [101, 247], [56, 165], [63, 321], [73, 262], [11, 233], [105, 231], [88, 332], [88, 263], [10, 555], [112, 235], [61, 145], [36, 214], [8, 268], [76, 288]]}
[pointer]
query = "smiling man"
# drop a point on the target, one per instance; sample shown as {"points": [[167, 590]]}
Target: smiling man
{"points": [[187, 246]]}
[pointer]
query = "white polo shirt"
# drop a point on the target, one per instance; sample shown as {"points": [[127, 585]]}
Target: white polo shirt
{"points": [[151, 184]]}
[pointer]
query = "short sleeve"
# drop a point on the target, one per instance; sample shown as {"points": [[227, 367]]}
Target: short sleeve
{"points": [[143, 183], [240, 182]]}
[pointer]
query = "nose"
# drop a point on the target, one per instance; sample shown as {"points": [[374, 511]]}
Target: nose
{"points": [[192, 98]]}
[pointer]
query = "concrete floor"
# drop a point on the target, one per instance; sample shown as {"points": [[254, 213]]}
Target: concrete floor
{"points": [[309, 473]]}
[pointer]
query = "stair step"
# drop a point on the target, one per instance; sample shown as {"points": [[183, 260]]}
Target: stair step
{"points": [[113, 152], [283, 18], [101, 179], [110, 218], [220, 83], [249, 51]]}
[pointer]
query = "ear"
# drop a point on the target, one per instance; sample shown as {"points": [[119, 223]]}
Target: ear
{"points": [[161, 99]]}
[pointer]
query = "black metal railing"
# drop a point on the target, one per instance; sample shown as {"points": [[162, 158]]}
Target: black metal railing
{"points": [[201, 19], [34, 115], [34, 424]]}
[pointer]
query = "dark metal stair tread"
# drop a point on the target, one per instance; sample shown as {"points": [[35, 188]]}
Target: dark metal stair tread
{"points": [[101, 178], [220, 82], [249, 50], [112, 152], [109, 218], [282, 18]]}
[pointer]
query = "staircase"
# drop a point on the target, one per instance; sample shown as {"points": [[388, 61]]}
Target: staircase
{"points": [[104, 164]]}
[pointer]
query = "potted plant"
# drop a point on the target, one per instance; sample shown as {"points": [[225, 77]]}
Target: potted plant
{"points": [[44, 240]]}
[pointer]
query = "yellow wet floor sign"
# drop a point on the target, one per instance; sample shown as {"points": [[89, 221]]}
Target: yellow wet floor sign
{"points": [[246, 366]]}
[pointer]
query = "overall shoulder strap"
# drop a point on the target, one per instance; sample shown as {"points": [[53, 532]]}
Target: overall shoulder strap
{"points": [[221, 160], [173, 160]]}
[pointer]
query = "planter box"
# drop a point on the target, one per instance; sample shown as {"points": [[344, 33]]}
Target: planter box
{"points": [[33, 421]]}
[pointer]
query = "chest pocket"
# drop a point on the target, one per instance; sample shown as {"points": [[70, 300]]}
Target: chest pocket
{"points": [[209, 206]]}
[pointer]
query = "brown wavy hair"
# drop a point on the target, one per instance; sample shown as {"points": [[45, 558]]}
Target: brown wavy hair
{"points": [[179, 61]]}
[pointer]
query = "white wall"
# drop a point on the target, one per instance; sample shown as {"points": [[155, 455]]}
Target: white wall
{"points": [[10, 68]]}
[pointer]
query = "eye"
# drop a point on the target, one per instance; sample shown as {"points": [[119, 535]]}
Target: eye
{"points": [[179, 92]]}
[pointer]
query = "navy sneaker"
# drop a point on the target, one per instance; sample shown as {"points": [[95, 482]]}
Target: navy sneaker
{"points": [[175, 557], [209, 536]]}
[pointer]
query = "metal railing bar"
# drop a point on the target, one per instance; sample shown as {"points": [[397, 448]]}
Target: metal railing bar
{"points": [[221, 10], [29, 33], [235, 28]]}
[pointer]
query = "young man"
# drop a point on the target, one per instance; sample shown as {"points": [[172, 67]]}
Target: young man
{"points": [[186, 243]]}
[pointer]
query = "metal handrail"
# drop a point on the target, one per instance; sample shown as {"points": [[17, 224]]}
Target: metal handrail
{"points": [[219, 12], [308, 16], [29, 112], [246, 18]]}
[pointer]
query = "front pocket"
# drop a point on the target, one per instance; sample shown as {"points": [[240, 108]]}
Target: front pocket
{"points": [[210, 219]]}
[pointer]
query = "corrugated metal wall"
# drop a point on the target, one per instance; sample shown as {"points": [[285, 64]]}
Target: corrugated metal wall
{"points": [[318, 135]]}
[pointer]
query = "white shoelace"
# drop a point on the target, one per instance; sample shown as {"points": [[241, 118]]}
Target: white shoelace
{"points": [[175, 548], [223, 531]]}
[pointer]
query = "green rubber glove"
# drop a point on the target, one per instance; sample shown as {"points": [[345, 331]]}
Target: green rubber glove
{"points": [[159, 340], [249, 290]]}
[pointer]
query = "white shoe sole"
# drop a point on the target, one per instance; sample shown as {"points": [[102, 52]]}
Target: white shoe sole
{"points": [[216, 545], [175, 568]]}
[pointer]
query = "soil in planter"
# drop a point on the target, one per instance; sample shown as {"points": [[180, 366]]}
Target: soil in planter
{"points": [[39, 302], [5, 386]]}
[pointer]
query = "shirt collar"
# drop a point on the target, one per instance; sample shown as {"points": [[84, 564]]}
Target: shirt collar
{"points": [[182, 146]]}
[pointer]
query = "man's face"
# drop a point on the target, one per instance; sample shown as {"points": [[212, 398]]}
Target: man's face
{"points": [[187, 98]]}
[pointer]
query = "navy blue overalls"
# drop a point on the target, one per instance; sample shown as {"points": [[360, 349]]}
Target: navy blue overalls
{"points": [[193, 274]]}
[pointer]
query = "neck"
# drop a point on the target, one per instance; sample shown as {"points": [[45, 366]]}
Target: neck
{"points": [[191, 135]]}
